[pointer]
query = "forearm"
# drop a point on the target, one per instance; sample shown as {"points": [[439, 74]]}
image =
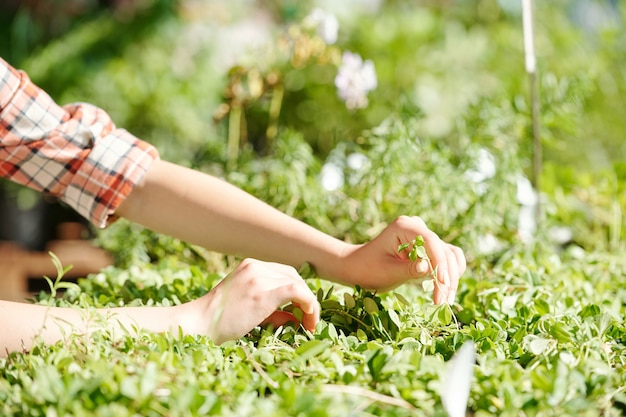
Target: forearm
{"points": [[51, 324], [209, 212]]}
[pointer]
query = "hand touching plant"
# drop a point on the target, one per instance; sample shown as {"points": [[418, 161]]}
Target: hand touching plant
{"points": [[249, 296], [379, 265]]}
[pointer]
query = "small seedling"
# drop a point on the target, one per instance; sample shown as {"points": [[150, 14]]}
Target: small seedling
{"points": [[417, 252], [61, 271]]}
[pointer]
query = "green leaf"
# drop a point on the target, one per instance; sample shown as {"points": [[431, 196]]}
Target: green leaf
{"points": [[590, 310], [376, 363], [393, 316], [428, 285], [330, 304], [370, 305], [298, 313], [307, 271], [348, 301], [444, 314], [403, 246], [537, 345], [403, 300], [312, 348]]}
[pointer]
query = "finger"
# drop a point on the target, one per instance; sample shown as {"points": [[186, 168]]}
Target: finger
{"points": [[309, 321], [288, 286], [453, 272], [280, 318], [460, 256], [418, 269], [298, 293], [436, 251], [461, 265]]}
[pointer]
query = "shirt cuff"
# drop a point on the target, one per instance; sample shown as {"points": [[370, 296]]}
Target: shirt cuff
{"points": [[114, 166]]}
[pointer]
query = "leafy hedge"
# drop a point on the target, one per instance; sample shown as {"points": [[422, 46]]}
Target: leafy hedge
{"points": [[445, 136], [547, 322]]}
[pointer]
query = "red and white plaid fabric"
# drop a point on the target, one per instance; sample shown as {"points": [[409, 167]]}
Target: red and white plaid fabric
{"points": [[73, 152]]}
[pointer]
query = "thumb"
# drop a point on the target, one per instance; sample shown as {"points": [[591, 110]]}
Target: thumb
{"points": [[419, 269]]}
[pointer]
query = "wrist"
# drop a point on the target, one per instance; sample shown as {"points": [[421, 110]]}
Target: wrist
{"points": [[189, 317], [337, 266]]}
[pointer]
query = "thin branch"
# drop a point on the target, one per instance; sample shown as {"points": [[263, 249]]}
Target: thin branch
{"points": [[531, 70], [372, 395]]}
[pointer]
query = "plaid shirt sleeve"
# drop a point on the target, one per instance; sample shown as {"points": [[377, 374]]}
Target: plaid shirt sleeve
{"points": [[74, 152]]}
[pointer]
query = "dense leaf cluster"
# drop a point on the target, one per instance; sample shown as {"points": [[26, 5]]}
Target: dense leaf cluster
{"points": [[546, 316]]}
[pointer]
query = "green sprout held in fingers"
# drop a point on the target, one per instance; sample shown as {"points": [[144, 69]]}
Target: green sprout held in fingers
{"points": [[417, 252]]}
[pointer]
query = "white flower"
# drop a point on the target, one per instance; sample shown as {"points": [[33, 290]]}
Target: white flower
{"points": [[488, 244], [331, 177], [526, 223], [74, 368], [356, 161], [528, 199], [560, 235], [485, 167], [355, 79], [326, 25], [526, 196]]}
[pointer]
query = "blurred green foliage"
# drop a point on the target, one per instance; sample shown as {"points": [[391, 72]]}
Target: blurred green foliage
{"points": [[450, 81], [155, 71], [546, 317]]}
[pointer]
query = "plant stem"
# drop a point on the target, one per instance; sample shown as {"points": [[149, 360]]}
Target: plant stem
{"points": [[531, 70], [274, 113], [234, 133]]}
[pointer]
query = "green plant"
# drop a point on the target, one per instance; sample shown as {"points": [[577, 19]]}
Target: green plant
{"points": [[547, 319], [58, 284]]}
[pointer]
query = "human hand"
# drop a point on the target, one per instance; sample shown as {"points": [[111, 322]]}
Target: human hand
{"points": [[250, 296], [379, 265]]}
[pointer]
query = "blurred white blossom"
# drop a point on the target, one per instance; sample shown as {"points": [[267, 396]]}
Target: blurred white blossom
{"points": [[560, 235], [74, 368], [355, 79], [488, 244], [350, 10], [484, 169], [528, 199], [357, 164], [526, 196], [356, 161], [331, 176], [326, 25], [576, 252]]}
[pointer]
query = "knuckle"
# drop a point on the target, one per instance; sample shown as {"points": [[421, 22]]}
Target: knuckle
{"points": [[409, 221], [251, 265], [293, 271], [289, 289], [247, 263]]}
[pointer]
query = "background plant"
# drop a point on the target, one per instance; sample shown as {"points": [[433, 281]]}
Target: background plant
{"points": [[445, 135]]}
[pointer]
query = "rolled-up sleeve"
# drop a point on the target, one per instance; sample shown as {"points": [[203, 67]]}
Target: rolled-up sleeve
{"points": [[74, 152]]}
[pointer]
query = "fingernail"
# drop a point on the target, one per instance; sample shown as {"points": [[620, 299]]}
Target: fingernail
{"points": [[446, 278], [451, 296], [443, 291]]}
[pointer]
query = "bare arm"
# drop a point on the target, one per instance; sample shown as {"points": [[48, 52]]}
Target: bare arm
{"points": [[51, 324], [207, 211], [249, 296], [212, 213]]}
